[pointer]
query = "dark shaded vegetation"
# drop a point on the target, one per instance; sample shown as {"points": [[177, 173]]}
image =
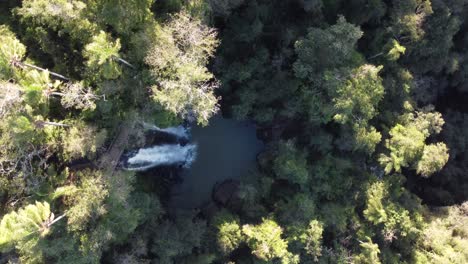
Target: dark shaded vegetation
{"points": [[361, 105]]}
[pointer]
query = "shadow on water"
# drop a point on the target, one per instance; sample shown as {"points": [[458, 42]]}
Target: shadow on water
{"points": [[226, 150]]}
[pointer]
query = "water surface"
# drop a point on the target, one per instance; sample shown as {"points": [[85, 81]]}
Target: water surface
{"points": [[226, 149]]}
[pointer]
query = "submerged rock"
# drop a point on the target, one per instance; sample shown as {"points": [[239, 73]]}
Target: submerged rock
{"points": [[226, 194]]}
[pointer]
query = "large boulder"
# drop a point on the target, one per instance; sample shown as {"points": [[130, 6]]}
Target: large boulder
{"points": [[226, 194]]}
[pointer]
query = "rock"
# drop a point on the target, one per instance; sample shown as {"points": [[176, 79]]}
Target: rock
{"points": [[226, 194]]}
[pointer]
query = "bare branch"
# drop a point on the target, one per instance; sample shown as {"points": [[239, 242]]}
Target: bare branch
{"points": [[75, 95], [41, 124], [126, 63], [42, 69]]}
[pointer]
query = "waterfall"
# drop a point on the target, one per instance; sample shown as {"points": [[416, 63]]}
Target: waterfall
{"points": [[178, 131], [174, 154], [180, 154]]}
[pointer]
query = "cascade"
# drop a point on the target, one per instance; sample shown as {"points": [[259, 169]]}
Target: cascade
{"points": [[178, 131], [167, 154], [163, 154]]}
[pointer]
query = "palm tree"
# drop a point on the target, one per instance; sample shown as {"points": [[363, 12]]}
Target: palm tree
{"points": [[12, 53], [29, 223]]}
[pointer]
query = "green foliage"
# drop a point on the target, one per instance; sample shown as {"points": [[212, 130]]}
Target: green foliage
{"points": [[82, 140], [101, 55], [336, 216], [365, 11], [407, 18], [68, 190], [355, 102], [65, 17], [433, 159], [407, 144], [229, 234], [297, 210], [385, 209], [142, 41], [10, 98], [58, 249], [323, 93], [255, 75], [199, 259], [76, 96], [224, 8], [87, 204], [357, 98], [375, 211], [336, 87], [331, 178], [25, 226], [35, 85], [11, 50], [102, 49], [311, 238], [122, 15], [370, 253], [184, 86], [265, 240], [366, 138], [22, 127], [103, 211], [291, 164], [445, 239], [177, 239], [395, 50], [323, 50], [433, 52]]}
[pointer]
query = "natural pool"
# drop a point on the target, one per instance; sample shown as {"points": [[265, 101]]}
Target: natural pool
{"points": [[198, 157], [226, 149]]}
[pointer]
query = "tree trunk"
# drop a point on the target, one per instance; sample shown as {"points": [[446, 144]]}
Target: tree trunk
{"points": [[126, 63], [376, 55], [57, 93], [56, 220], [42, 69], [41, 124]]}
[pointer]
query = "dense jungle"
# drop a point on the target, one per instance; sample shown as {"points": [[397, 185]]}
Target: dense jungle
{"points": [[234, 131]]}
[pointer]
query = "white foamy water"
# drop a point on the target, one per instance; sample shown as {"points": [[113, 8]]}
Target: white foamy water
{"points": [[167, 154], [178, 131]]}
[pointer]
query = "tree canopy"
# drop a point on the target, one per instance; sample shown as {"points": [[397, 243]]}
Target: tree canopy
{"points": [[360, 106]]}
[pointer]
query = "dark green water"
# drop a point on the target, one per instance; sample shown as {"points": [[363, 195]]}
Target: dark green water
{"points": [[226, 149]]}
